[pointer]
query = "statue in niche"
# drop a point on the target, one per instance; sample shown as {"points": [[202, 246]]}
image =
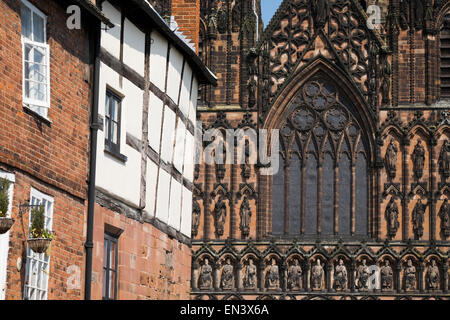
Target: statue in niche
{"points": [[340, 276], [444, 214], [295, 276], [390, 160], [250, 275], [236, 16], [205, 279], [444, 161], [387, 72], [392, 218], [410, 276], [387, 276], [212, 22], [220, 213], [246, 214], [418, 216], [404, 14], [418, 158], [222, 19], [317, 274], [251, 86], [418, 13], [227, 275], [273, 276], [320, 9], [433, 277], [195, 217], [362, 276]]}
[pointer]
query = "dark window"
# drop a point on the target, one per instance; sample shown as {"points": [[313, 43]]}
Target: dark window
{"points": [[112, 122], [445, 58], [110, 257]]}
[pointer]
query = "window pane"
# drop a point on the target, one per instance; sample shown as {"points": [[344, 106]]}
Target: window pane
{"points": [[311, 195], [328, 196], [295, 194], [38, 28], [26, 22], [104, 283], [114, 133], [107, 106], [361, 195], [112, 277], [344, 195], [112, 257], [278, 200]]}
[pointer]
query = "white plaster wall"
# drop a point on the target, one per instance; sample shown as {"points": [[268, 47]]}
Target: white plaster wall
{"points": [[158, 60], [174, 75], [152, 175], [162, 200], [186, 216], [154, 121], [186, 90], [168, 135], [193, 102], [121, 179], [188, 172], [134, 47], [133, 112], [178, 157], [110, 39], [175, 204]]}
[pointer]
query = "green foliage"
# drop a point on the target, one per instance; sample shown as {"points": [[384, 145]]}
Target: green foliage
{"points": [[38, 223], [4, 197]]}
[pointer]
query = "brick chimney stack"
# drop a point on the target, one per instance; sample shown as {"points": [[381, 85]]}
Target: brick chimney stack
{"points": [[187, 16]]}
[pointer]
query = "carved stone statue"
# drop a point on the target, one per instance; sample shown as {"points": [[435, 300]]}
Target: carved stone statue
{"points": [[418, 158], [317, 275], [273, 276], [220, 213], [418, 216], [390, 160], [246, 214], [195, 217], [392, 218], [320, 9], [444, 214], [418, 13], [444, 161], [227, 276], [295, 276], [410, 276], [433, 277], [386, 87], [212, 22], [404, 14], [236, 16], [387, 276], [250, 275], [340, 276], [205, 278], [251, 86], [362, 276], [222, 19]]}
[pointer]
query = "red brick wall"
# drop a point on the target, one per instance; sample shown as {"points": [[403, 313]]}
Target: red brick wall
{"points": [[187, 15], [151, 265]]}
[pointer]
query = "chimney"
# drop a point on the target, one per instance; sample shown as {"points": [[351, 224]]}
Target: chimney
{"points": [[187, 16]]}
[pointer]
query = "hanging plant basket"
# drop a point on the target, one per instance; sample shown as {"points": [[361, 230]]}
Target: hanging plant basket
{"points": [[5, 224], [39, 245]]}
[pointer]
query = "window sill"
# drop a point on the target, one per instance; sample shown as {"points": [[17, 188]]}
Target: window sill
{"points": [[37, 115], [116, 155]]}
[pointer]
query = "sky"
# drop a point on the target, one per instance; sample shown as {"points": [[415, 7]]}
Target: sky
{"points": [[269, 7]]}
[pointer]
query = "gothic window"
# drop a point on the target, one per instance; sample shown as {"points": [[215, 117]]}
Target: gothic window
{"points": [[445, 58], [322, 185]]}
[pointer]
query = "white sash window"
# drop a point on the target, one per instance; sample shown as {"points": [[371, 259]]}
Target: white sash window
{"points": [[36, 59]]}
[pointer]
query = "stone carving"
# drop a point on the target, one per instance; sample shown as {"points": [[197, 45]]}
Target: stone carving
{"points": [[205, 278], [236, 16], [317, 276], [340, 276], [246, 214], [433, 277], [444, 214], [251, 86], [390, 160], [362, 276], [404, 14], [320, 10], [227, 276], [220, 213], [212, 23], [387, 276], [196, 211], [410, 276], [392, 214], [444, 161], [418, 216], [295, 276], [273, 276], [222, 20], [418, 158], [250, 275], [418, 13], [386, 86]]}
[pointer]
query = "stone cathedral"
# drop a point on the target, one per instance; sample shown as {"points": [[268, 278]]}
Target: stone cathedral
{"points": [[359, 206]]}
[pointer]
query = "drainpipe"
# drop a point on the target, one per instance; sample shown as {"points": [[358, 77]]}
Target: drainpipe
{"points": [[89, 244]]}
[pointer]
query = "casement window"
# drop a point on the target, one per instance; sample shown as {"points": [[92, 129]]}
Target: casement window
{"points": [[110, 258], [38, 264], [35, 59], [113, 113]]}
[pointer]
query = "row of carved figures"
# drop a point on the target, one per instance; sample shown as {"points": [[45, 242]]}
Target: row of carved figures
{"points": [[379, 277]]}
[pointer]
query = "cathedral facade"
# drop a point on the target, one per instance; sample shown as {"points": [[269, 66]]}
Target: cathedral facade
{"points": [[359, 206]]}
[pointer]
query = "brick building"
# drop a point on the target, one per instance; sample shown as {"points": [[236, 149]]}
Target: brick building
{"points": [[363, 119]]}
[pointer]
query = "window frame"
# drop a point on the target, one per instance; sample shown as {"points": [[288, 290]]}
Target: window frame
{"points": [[39, 258], [110, 146], [38, 106], [109, 239]]}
